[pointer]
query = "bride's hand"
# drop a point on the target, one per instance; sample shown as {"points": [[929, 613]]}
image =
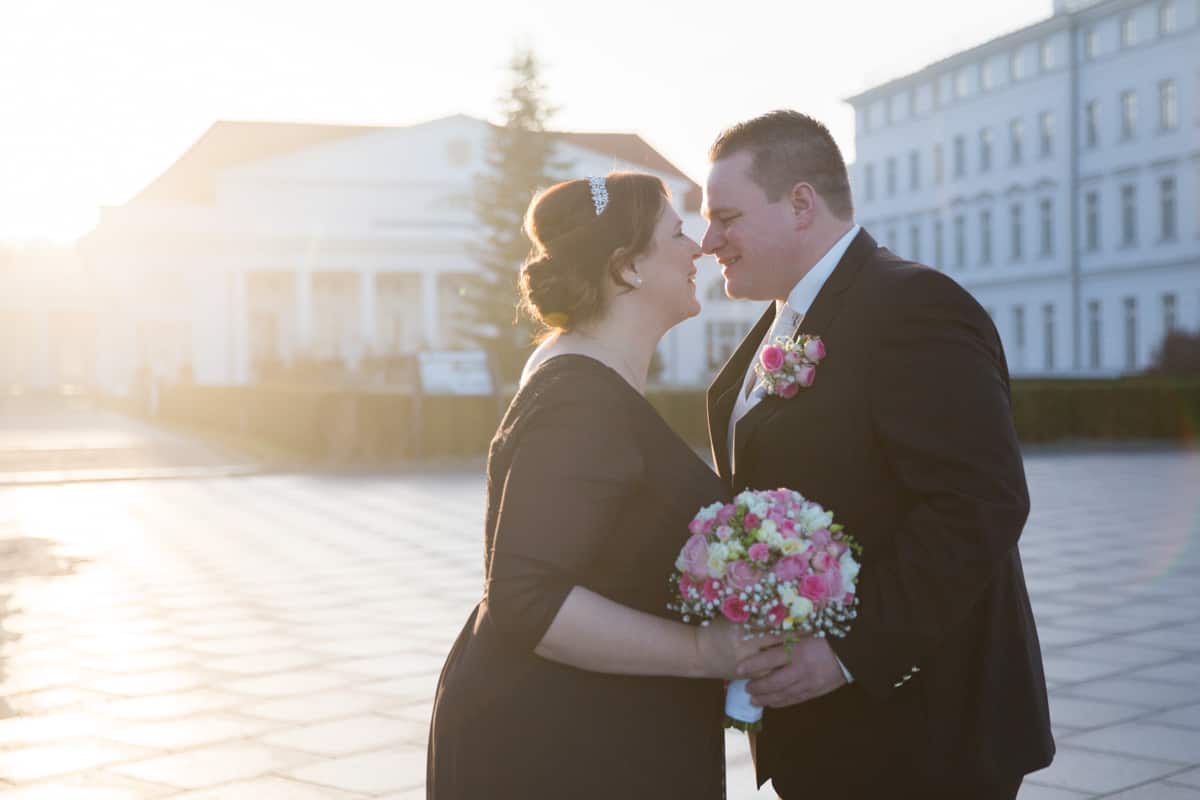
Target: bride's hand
{"points": [[723, 644]]}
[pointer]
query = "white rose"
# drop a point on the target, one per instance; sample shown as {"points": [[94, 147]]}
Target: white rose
{"points": [[791, 547], [720, 550], [849, 569], [716, 566], [776, 540], [801, 607]]}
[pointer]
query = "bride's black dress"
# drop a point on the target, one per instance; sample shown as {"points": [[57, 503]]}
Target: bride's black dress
{"points": [[587, 486]]}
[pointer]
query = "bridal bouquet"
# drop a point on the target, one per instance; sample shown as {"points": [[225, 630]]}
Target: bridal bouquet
{"points": [[772, 562]]}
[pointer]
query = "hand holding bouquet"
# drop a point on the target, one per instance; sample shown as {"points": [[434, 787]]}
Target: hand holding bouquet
{"points": [[772, 562]]}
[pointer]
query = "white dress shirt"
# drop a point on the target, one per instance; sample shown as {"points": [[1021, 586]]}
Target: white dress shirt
{"points": [[788, 316]]}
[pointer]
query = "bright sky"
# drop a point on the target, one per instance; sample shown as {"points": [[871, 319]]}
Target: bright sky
{"points": [[97, 98]]}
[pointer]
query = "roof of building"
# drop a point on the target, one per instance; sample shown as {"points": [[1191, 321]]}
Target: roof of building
{"points": [[191, 179], [1062, 17]]}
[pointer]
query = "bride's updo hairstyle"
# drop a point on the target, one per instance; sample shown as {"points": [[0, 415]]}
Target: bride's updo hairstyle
{"points": [[576, 250]]}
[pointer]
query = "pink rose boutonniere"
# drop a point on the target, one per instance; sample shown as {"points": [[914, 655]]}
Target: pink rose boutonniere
{"points": [[786, 367]]}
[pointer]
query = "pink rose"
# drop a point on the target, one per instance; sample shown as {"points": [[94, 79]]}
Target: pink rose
{"points": [[711, 590], [700, 526], [695, 556], [821, 537], [791, 568], [805, 375], [815, 587], [788, 530], [741, 575], [772, 358], [789, 390], [751, 521], [734, 609], [776, 615], [759, 552], [724, 532], [726, 513], [814, 350], [822, 561]]}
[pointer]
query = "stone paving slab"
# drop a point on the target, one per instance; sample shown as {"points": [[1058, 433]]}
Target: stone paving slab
{"points": [[280, 636]]}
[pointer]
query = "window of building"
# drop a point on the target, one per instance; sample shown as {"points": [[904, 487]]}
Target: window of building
{"points": [[912, 102], [985, 237], [1048, 336], [1131, 345], [1091, 121], [1128, 30], [914, 170], [939, 233], [888, 110], [985, 149], [1046, 218], [960, 241], [1091, 44], [961, 83], [869, 182], [1168, 106], [960, 156], [1018, 314], [1016, 65], [1016, 238], [1046, 56], [987, 78], [1046, 133], [1128, 215], [721, 339], [938, 166], [1016, 139], [1091, 221], [1166, 17], [1128, 114], [1167, 209], [914, 242], [891, 177], [1170, 309], [893, 240], [1095, 349]]}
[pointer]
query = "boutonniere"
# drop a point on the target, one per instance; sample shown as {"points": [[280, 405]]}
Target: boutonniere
{"points": [[786, 367]]}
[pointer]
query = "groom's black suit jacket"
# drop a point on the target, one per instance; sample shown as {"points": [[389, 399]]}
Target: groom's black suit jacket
{"points": [[907, 436]]}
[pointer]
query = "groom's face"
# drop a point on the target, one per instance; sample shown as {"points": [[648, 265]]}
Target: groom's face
{"points": [[751, 237]]}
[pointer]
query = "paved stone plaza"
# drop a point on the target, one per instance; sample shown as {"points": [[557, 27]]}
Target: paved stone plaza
{"points": [[278, 636]]}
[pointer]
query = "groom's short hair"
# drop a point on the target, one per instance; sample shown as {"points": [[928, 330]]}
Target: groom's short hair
{"points": [[787, 148]]}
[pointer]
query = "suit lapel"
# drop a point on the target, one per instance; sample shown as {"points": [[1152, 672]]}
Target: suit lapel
{"points": [[722, 394], [815, 323]]}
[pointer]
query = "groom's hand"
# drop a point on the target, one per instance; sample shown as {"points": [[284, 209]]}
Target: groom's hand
{"points": [[784, 676]]}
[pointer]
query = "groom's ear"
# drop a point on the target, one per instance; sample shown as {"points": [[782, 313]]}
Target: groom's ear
{"points": [[804, 204]]}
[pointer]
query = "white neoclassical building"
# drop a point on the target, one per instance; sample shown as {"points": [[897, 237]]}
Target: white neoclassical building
{"points": [[1053, 172], [271, 242]]}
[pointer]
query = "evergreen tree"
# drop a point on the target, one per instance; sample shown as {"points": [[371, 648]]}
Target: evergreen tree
{"points": [[521, 160]]}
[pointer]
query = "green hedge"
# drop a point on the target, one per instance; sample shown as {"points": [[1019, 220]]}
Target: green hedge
{"points": [[339, 425]]}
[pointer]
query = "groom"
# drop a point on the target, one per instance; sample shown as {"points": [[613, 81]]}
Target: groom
{"points": [[906, 435]]}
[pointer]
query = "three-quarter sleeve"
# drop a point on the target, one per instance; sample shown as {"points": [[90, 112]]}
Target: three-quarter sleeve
{"points": [[574, 466]]}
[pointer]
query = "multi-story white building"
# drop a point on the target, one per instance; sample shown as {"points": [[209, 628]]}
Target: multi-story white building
{"points": [[1054, 173], [269, 243]]}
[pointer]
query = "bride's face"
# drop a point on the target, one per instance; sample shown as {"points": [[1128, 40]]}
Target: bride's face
{"points": [[668, 271]]}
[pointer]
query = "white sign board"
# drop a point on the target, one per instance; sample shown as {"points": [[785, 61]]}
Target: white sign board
{"points": [[455, 372]]}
